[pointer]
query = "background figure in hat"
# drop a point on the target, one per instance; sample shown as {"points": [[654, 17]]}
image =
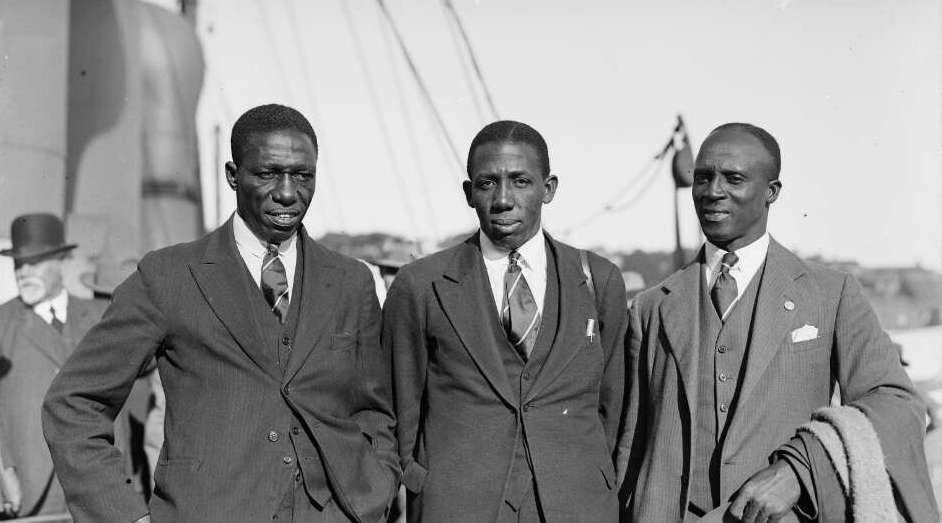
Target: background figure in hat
{"points": [[39, 329]]}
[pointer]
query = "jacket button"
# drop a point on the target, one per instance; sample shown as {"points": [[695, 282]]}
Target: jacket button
{"points": [[295, 430], [722, 349], [526, 375], [273, 436], [287, 390], [287, 460], [285, 341], [723, 377], [723, 407], [527, 407]]}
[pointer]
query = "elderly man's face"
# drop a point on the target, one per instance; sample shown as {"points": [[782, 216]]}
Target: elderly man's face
{"points": [[732, 188], [507, 190], [274, 182], [38, 280]]}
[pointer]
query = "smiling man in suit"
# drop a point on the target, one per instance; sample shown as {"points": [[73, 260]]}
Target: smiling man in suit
{"points": [[508, 357], [731, 354], [278, 401], [39, 329]]}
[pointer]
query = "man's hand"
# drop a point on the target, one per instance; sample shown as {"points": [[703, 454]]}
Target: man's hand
{"points": [[768, 495], [11, 497]]}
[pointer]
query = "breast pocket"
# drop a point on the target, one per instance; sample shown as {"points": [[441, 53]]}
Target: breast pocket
{"points": [[342, 341], [807, 345]]}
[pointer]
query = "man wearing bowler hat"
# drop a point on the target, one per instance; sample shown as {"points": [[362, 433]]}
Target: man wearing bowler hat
{"points": [[39, 329]]}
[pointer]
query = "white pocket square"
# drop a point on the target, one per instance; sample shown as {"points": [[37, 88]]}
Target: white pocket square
{"points": [[804, 333]]}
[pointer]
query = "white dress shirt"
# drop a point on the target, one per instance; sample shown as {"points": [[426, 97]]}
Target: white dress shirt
{"points": [[60, 302], [532, 264], [751, 258], [253, 250]]}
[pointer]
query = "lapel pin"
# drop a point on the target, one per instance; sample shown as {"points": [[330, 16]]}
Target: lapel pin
{"points": [[789, 305]]}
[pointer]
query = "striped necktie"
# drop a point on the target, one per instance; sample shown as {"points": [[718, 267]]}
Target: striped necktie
{"points": [[724, 291], [275, 283], [519, 314]]}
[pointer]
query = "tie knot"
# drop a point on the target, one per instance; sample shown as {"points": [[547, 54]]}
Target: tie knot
{"points": [[272, 249], [513, 258], [729, 261]]}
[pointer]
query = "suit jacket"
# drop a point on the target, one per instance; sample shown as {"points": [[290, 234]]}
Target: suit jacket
{"points": [[187, 305], [784, 382], [31, 354], [456, 409]]}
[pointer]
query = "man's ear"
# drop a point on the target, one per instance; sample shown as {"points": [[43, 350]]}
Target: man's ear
{"points": [[775, 187], [550, 183], [466, 186], [231, 169]]}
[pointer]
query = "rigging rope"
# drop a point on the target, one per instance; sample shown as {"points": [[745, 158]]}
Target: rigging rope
{"points": [[473, 56], [380, 118], [426, 95]]}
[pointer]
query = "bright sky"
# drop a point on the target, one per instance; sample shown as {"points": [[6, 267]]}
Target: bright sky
{"points": [[852, 89]]}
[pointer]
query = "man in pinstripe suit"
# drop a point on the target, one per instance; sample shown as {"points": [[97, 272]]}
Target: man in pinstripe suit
{"points": [[728, 356]]}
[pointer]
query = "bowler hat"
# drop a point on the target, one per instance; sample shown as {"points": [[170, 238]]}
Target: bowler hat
{"points": [[37, 236]]}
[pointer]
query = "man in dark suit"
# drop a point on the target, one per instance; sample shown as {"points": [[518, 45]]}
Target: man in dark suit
{"points": [[731, 354], [39, 329], [508, 358], [277, 390]]}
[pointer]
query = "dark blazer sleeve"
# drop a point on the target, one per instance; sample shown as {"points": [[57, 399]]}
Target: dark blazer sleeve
{"points": [[628, 452], [613, 323], [404, 337], [83, 400], [378, 421]]}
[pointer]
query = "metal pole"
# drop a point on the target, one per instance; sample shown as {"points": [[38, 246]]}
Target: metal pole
{"points": [[217, 163], [678, 248]]}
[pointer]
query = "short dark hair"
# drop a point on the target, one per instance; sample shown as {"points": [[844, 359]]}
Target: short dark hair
{"points": [[266, 119], [765, 138], [513, 132]]}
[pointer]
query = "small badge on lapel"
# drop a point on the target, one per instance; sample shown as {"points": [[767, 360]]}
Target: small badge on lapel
{"points": [[789, 305], [804, 333]]}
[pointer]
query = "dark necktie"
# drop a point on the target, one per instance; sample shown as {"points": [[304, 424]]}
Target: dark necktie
{"points": [[519, 314], [275, 283], [56, 322], [724, 291]]}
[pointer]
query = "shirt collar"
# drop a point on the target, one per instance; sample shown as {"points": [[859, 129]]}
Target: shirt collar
{"points": [[532, 252], [246, 239], [59, 302], [750, 256]]}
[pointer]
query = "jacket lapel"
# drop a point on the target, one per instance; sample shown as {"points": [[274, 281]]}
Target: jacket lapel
{"points": [[43, 337], [680, 320], [319, 295], [461, 292], [576, 308], [771, 318], [219, 276]]}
